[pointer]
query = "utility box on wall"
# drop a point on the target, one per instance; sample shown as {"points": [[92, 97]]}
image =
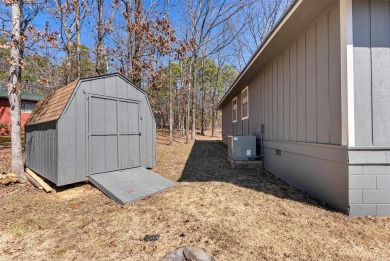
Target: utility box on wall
{"points": [[242, 147]]}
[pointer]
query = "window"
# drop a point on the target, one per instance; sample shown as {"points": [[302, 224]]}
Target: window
{"points": [[234, 103], [244, 104], [27, 107]]}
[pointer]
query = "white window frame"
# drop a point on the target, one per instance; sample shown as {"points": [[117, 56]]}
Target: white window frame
{"points": [[247, 103], [27, 107], [235, 99]]}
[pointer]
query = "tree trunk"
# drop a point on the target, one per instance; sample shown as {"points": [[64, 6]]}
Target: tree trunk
{"points": [[193, 100], [214, 113], [78, 38], [182, 125], [99, 37], [14, 86], [68, 65], [137, 45], [176, 109], [203, 99], [188, 108], [212, 122], [170, 103]]}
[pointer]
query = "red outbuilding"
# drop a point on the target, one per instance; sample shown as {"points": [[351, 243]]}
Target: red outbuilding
{"points": [[28, 103]]}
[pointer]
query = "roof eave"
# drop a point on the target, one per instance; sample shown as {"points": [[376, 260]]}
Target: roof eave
{"points": [[298, 17]]}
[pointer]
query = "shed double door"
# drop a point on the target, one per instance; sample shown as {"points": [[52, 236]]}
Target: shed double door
{"points": [[113, 134]]}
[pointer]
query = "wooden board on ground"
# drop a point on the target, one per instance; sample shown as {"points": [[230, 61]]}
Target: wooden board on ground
{"points": [[40, 181], [33, 181]]}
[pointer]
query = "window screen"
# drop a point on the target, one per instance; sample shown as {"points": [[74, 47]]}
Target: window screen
{"points": [[245, 104], [235, 110]]}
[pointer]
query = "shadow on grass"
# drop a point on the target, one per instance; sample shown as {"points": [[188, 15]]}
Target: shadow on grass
{"points": [[207, 162], [68, 187]]}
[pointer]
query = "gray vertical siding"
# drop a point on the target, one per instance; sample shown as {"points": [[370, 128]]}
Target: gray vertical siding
{"points": [[371, 23], [322, 73], [298, 99], [369, 165], [293, 130], [41, 149], [297, 96], [227, 122], [73, 126], [334, 54], [286, 95], [301, 92]]}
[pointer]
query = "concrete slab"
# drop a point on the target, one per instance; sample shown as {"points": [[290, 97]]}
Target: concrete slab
{"points": [[128, 185], [245, 164]]}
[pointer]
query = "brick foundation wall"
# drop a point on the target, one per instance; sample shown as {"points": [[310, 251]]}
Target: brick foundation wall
{"points": [[369, 182]]}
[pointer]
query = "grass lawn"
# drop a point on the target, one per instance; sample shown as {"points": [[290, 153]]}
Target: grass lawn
{"points": [[5, 140], [5, 153], [232, 214]]}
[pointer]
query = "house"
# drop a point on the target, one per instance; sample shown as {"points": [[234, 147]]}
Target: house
{"points": [[319, 86], [28, 103]]}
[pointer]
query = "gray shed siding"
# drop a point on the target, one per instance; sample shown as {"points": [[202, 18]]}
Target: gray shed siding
{"points": [[298, 99], [369, 170], [41, 149], [72, 127]]}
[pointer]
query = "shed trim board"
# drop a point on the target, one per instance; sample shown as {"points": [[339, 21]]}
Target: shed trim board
{"points": [[320, 84], [347, 74]]}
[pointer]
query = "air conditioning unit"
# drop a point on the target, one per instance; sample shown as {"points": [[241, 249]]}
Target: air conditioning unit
{"points": [[242, 147]]}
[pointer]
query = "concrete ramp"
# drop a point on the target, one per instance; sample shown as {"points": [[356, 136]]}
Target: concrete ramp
{"points": [[124, 186]]}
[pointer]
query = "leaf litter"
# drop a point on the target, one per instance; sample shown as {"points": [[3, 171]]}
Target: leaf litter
{"points": [[232, 214]]}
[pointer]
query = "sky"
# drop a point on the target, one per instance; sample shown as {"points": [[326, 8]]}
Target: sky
{"points": [[177, 14]]}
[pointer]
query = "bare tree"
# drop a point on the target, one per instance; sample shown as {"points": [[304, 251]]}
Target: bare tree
{"points": [[19, 27], [260, 17], [14, 87], [71, 14], [206, 22], [104, 26], [77, 19]]}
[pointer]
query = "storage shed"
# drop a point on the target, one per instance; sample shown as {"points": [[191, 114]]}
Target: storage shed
{"points": [[93, 125]]}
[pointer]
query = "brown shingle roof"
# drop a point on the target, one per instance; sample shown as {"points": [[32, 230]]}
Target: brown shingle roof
{"points": [[51, 107]]}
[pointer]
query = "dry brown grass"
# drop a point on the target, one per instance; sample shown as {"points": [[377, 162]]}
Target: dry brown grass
{"points": [[234, 215]]}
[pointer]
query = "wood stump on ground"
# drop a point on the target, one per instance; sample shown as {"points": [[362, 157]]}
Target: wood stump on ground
{"points": [[8, 179]]}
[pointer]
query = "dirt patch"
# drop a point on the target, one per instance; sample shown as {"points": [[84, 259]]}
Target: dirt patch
{"points": [[5, 160], [232, 214], [5, 153]]}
